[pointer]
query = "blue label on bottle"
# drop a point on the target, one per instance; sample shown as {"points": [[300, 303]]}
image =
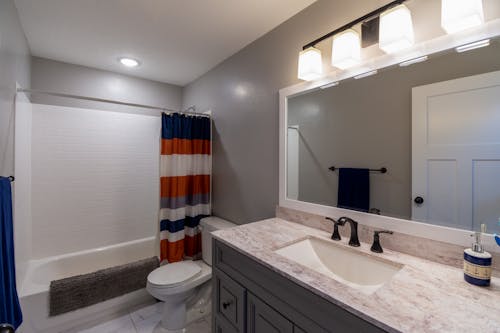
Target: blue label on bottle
{"points": [[477, 282], [477, 261]]}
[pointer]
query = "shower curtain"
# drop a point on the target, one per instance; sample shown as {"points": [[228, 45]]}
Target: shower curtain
{"points": [[10, 311], [185, 171]]}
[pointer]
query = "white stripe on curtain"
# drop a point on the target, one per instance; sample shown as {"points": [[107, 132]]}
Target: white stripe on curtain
{"points": [[172, 237], [180, 213], [185, 165]]}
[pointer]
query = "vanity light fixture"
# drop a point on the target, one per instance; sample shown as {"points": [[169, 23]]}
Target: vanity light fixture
{"points": [[460, 15], [310, 64], [329, 85], [346, 49], [344, 56], [366, 74], [396, 30], [473, 46], [413, 61], [128, 62]]}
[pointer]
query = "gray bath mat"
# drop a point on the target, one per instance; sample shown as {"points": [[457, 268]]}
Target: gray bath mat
{"points": [[83, 290]]}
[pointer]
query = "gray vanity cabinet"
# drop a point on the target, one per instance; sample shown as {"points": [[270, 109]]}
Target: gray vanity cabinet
{"points": [[248, 297], [263, 318], [220, 326]]}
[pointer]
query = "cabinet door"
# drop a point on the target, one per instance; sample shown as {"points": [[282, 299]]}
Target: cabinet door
{"points": [[229, 301], [221, 326], [262, 318]]}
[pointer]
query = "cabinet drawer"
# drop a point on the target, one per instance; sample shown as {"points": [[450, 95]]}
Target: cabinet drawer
{"points": [[230, 301]]}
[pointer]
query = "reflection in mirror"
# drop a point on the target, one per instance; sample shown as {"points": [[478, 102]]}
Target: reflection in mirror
{"points": [[440, 142]]}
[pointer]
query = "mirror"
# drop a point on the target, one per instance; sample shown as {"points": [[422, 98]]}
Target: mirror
{"points": [[434, 126]]}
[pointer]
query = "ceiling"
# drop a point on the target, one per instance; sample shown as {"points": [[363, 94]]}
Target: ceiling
{"points": [[176, 41]]}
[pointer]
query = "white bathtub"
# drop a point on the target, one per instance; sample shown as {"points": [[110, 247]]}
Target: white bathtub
{"points": [[34, 291]]}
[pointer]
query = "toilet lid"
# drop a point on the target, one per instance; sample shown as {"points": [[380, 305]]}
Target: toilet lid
{"points": [[173, 274]]}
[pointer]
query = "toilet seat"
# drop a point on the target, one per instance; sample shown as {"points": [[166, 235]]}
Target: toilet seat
{"points": [[173, 275]]}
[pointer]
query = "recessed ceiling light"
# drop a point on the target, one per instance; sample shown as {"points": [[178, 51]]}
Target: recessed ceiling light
{"points": [[128, 62]]}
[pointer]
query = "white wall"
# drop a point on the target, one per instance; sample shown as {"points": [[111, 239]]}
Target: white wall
{"points": [[22, 187], [14, 68], [55, 76], [94, 178]]}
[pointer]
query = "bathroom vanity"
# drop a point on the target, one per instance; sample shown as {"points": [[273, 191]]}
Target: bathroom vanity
{"points": [[259, 287]]}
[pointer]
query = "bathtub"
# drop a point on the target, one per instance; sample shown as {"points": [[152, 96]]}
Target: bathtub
{"points": [[34, 291]]}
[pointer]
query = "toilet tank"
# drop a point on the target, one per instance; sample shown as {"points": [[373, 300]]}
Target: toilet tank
{"points": [[208, 225]]}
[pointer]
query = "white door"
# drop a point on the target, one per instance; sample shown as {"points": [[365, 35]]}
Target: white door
{"points": [[456, 152]]}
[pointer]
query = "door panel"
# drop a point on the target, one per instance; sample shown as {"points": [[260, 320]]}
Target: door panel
{"points": [[455, 132], [442, 191], [486, 191]]}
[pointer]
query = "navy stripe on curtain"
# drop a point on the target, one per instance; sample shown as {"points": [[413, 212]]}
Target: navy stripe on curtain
{"points": [[174, 226], [180, 126], [10, 310]]}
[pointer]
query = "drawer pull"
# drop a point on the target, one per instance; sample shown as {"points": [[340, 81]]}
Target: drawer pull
{"points": [[226, 304]]}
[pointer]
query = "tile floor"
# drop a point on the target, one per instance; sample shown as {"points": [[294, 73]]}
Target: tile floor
{"points": [[144, 320]]}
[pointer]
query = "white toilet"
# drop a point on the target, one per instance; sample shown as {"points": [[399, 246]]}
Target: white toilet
{"points": [[185, 286]]}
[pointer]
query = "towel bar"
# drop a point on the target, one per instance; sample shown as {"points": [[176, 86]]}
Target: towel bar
{"points": [[381, 170]]}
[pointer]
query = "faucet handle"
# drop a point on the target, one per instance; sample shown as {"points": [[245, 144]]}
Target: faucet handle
{"points": [[336, 234], [376, 247]]}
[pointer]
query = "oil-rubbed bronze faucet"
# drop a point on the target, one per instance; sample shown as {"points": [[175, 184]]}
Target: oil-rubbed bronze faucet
{"points": [[376, 247], [354, 241], [335, 235]]}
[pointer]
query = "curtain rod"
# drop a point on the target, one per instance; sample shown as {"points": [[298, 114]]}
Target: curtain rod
{"points": [[109, 101], [349, 25]]}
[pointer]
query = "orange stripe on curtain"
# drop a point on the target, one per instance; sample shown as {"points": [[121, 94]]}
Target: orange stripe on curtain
{"points": [[183, 185], [185, 146], [174, 251]]}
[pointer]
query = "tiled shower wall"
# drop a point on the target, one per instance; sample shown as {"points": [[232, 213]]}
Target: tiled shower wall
{"points": [[94, 178]]}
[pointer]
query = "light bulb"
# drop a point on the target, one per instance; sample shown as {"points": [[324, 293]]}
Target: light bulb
{"points": [[310, 64], [458, 15], [346, 49], [396, 29]]}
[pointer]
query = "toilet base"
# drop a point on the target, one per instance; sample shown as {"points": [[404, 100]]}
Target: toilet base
{"points": [[182, 309]]}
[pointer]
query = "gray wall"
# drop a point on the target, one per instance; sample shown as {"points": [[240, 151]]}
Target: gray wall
{"points": [[242, 93], [367, 123], [55, 76], [14, 67]]}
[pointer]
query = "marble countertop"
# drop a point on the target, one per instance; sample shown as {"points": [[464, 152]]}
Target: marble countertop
{"points": [[423, 296]]}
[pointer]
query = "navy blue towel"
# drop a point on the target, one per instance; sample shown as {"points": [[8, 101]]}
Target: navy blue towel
{"points": [[354, 189], [10, 311]]}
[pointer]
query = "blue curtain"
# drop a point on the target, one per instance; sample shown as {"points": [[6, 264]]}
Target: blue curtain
{"points": [[10, 311]]}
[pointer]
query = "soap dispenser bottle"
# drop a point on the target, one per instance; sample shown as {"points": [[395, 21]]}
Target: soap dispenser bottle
{"points": [[477, 262]]}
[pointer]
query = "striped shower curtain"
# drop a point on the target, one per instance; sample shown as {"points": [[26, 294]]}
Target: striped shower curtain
{"points": [[185, 171]]}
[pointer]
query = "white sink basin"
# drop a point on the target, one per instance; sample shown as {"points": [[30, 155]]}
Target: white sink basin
{"points": [[351, 267]]}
